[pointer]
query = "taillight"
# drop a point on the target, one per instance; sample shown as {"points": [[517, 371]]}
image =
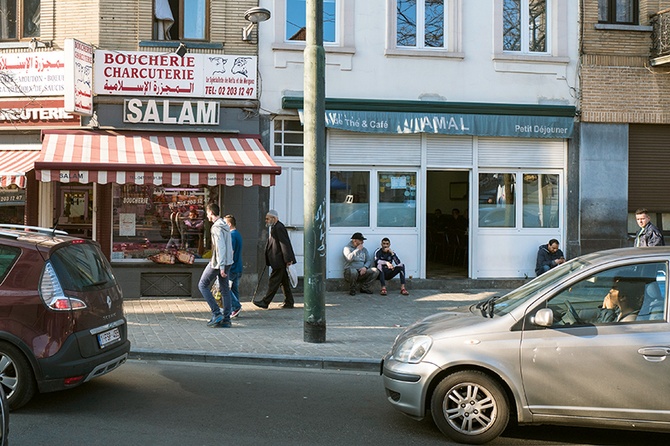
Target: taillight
{"points": [[52, 293]]}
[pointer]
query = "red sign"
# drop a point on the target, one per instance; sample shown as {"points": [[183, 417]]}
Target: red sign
{"points": [[40, 112]]}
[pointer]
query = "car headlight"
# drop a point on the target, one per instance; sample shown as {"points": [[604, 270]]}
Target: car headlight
{"points": [[412, 350]]}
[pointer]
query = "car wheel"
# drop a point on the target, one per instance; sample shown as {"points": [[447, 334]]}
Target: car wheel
{"points": [[470, 407], [16, 376]]}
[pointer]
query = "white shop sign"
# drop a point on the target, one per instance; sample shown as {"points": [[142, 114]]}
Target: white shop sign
{"points": [[33, 74], [163, 111], [136, 73]]}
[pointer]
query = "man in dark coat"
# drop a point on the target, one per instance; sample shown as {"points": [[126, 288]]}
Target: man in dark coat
{"points": [[648, 235], [548, 256], [278, 255]]}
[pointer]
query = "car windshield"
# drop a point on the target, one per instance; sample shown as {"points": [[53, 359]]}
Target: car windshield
{"points": [[82, 266], [510, 301]]}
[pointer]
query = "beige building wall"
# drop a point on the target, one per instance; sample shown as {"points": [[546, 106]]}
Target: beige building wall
{"points": [[122, 24], [618, 84]]}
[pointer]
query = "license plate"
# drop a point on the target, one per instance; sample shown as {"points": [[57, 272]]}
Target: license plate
{"points": [[109, 337]]}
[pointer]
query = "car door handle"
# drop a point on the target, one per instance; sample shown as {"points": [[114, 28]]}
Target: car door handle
{"points": [[654, 354]]}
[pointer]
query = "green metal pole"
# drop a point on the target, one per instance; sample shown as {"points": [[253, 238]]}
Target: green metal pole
{"points": [[315, 176]]}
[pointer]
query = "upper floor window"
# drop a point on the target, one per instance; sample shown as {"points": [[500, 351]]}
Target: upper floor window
{"points": [[19, 19], [181, 19], [618, 11], [296, 20], [288, 137], [420, 24], [525, 26]]}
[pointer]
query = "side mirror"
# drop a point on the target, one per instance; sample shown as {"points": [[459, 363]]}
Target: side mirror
{"points": [[543, 318]]}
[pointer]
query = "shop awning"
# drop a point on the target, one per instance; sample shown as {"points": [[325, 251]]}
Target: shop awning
{"points": [[14, 164], [153, 158]]}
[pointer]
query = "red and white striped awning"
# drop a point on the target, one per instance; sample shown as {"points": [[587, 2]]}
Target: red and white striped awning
{"points": [[159, 159], [14, 164]]}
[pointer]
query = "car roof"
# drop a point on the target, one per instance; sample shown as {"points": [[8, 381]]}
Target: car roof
{"points": [[620, 253], [35, 235]]}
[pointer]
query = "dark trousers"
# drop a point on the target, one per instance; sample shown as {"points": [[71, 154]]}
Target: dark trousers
{"points": [[387, 273], [279, 278]]}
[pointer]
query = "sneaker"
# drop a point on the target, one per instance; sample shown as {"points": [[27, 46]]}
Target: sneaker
{"points": [[352, 292], [225, 324], [235, 312], [215, 320], [366, 290]]}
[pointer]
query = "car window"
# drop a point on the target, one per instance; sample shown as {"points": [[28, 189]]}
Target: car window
{"points": [[82, 266], [8, 255], [631, 293], [536, 286]]}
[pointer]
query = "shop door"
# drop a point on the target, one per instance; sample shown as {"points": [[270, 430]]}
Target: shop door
{"points": [[447, 224], [287, 199], [75, 209]]}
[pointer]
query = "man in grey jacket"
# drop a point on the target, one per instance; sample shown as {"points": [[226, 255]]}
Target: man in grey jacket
{"points": [[358, 265], [218, 268]]}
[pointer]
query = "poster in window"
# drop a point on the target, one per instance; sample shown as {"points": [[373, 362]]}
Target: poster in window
{"points": [[127, 225]]}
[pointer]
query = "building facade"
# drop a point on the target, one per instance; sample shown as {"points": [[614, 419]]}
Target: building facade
{"points": [[158, 117], [625, 119], [466, 105]]}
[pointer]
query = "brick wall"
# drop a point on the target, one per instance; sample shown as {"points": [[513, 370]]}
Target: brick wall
{"points": [[122, 24], [618, 85]]}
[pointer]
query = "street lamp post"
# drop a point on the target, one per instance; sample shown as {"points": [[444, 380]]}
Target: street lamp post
{"points": [[315, 176]]}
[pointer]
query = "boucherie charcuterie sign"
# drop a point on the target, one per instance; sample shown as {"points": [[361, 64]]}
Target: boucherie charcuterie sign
{"points": [[136, 73]]}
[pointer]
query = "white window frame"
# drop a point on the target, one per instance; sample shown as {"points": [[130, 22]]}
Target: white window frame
{"points": [[283, 144], [557, 33], [524, 19], [452, 32], [344, 32]]}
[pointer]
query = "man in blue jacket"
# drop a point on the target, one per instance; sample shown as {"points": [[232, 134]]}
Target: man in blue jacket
{"points": [[236, 268], [548, 256]]}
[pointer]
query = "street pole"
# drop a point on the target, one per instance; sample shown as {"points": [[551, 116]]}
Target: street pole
{"points": [[314, 109]]}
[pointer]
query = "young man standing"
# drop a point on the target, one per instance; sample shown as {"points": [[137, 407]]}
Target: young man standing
{"points": [[649, 235], [236, 268], [218, 268]]}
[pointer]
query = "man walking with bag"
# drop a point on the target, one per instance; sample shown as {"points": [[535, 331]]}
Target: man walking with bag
{"points": [[278, 255]]}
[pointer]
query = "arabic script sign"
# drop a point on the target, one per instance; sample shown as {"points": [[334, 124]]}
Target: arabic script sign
{"points": [[136, 73], [79, 77], [32, 74]]}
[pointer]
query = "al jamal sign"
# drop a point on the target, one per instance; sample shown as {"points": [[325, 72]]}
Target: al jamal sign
{"points": [[450, 124]]}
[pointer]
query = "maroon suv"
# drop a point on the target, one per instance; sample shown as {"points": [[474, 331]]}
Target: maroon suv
{"points": [[61, 312]]}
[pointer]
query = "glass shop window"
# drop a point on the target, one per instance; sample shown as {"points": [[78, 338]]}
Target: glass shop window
{"points": [[152, 219]]}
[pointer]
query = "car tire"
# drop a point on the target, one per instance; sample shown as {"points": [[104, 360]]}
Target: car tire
{"points": [[470, 407], [16, 376]]}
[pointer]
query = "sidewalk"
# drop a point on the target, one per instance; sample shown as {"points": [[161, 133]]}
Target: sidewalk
{"points": [[359, 329]]}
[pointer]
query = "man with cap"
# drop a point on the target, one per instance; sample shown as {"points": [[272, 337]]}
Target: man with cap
{"points": [[278, 255], [358, 265]]}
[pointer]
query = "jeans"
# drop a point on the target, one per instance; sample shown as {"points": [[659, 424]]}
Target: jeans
{"points": [[387, 273], [205, 285], [234, 281]]}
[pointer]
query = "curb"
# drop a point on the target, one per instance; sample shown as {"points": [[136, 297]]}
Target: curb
{"points": [[308, 362]]}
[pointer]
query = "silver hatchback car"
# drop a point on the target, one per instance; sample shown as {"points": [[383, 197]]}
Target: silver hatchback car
{"points": [[585, 344]]}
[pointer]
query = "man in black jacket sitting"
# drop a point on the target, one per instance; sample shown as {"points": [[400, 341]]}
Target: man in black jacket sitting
{"points": [[548, 256]]}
